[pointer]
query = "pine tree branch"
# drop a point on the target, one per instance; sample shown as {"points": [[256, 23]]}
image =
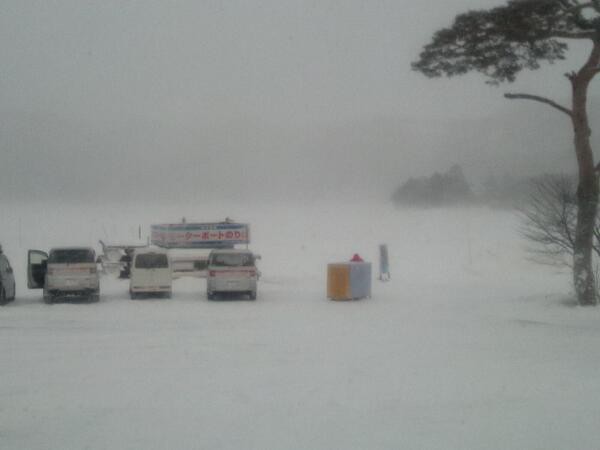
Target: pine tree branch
{"points": [[576, 7], [590, 68], [573, 35], [537, 98]]}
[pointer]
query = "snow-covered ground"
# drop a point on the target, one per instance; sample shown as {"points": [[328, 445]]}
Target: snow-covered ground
{"points": [[469, 346]]}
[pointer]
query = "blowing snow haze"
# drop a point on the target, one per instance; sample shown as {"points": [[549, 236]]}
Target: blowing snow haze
{"points": [[252, 100]]}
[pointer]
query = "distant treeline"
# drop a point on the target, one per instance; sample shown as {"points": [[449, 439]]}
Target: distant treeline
{"points": [[445, 188], [452, 188]]}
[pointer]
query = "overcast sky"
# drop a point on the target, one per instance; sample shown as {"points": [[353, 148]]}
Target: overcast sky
{"points": [[230, 97]]}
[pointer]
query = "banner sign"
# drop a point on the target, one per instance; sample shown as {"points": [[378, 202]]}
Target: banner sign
{"points": [[200, 235]]}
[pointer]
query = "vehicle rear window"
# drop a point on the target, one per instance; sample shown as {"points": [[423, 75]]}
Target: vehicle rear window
{"points": [[232, 259], [71, 256], [151, 261]]}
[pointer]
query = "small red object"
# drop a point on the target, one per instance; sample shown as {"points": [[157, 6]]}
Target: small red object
{"points": [[356, 258]]}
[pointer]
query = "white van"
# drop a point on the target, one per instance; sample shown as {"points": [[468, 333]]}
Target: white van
{"points": [[64, 272], [151, 273], [7, 280], [231, 271]]}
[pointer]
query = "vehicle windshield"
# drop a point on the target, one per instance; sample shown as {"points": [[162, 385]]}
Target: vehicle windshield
{"points": [[71, 256], [232, 259], [151, 261]]}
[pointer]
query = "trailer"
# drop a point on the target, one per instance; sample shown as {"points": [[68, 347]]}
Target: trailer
{"points": [[115, 258], [189, 265]]}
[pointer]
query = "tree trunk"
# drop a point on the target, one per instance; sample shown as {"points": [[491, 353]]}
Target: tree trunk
{"points": [[587, 190], [583, 273]]}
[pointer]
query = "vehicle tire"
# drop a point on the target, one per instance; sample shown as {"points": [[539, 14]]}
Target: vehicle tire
{"points": [[210, 295], [252, 295], [3, 299], [132, 295], [95, 297], [48, 299]]}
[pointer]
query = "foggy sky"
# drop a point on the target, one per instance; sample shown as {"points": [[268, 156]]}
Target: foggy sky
{"points": [[252, 100]]}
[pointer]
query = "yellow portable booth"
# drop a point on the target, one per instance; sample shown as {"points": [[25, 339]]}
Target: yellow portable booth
{"points": [[348, 280]]}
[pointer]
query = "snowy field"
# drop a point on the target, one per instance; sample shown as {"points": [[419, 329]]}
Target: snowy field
{"points": [[469, 346]]}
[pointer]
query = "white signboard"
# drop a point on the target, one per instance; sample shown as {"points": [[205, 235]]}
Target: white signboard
{"points": [[200, 235]]}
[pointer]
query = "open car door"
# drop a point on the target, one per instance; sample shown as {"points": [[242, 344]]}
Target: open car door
{"points": [[37, 262]]}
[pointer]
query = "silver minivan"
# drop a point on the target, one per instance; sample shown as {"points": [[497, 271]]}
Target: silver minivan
{"points": [[231, 271], [64, 272], [7, 280]]}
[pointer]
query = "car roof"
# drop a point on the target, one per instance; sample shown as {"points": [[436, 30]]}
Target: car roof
{"points": [[140, 251], [71, 248], [231, 250]]}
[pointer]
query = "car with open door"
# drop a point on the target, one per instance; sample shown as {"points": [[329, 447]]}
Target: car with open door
{"points": [[67, 272], [7, 280]]}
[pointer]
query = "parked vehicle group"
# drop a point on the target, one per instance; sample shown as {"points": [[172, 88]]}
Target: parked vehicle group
{"points": [[66, 273]]}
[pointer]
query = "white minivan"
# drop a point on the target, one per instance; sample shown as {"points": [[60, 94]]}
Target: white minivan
{"points": [[64, 272], [231, 271], [151, 273]]}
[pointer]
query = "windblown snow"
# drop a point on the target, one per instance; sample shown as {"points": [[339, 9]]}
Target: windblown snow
{"points": [[469, 346]]}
